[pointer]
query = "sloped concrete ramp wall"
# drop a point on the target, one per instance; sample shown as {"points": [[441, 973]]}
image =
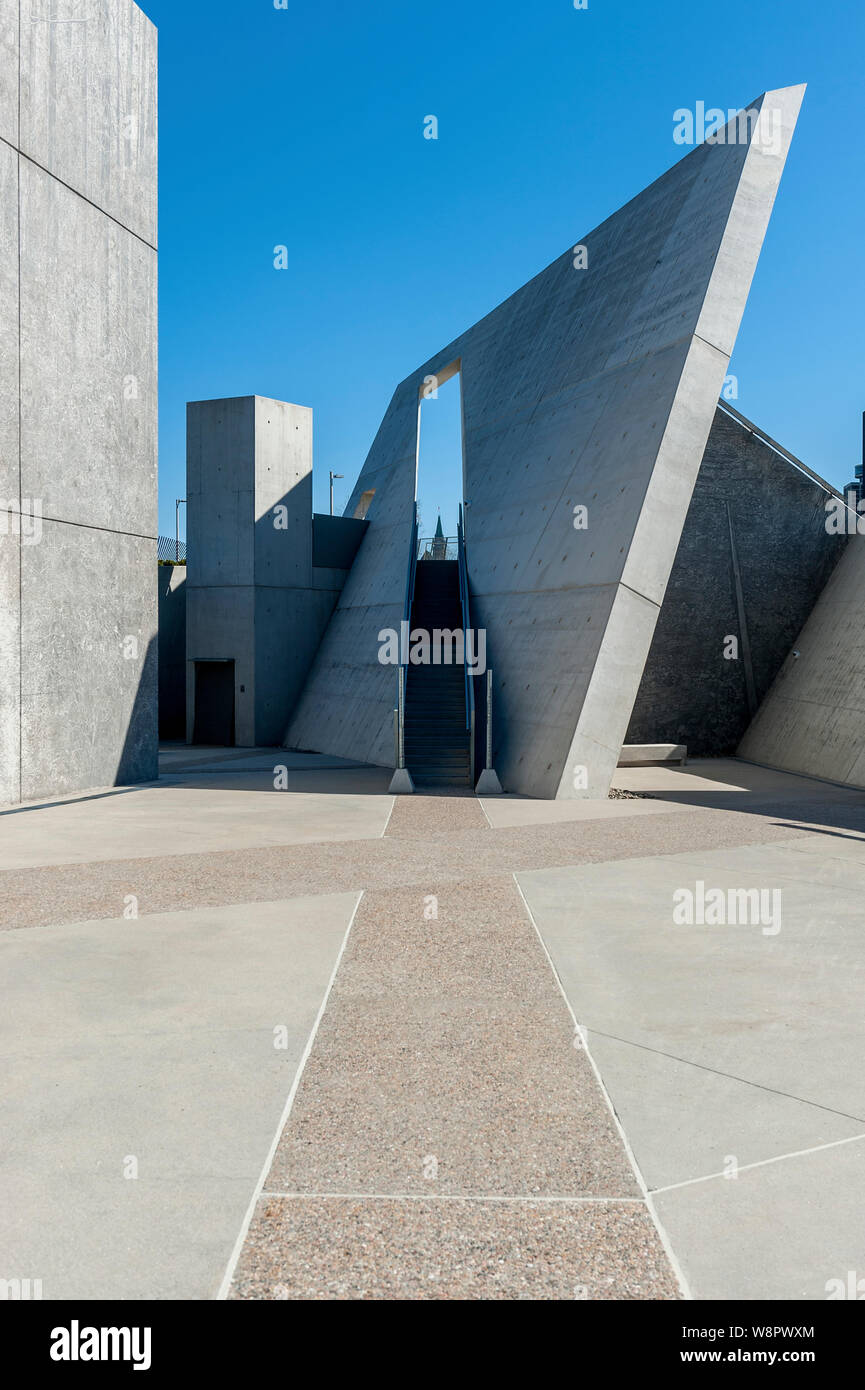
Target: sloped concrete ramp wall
{"points": [[589, 387], [813, 719]]}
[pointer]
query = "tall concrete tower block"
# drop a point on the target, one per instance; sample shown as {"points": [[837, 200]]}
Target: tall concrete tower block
{"points": [[78, 396], [593, 387], [253, 618]]}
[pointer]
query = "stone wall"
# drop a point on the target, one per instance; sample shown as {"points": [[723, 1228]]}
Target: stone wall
{"points": [[691, 692]]}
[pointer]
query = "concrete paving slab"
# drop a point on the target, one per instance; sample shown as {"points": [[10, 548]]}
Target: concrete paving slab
{"points": [[171, 819], [155, 1043], [827, 846], [172, 760], [783, 1231], [686, 1121], [722, 1046], [714, 777], [734, 998]]}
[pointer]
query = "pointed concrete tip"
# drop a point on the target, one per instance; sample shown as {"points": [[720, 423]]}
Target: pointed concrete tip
{"points": [[488, 784], [401, 783], [794, 94]]}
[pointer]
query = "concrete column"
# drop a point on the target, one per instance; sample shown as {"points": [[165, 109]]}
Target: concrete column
{"points": [[249, 548]]}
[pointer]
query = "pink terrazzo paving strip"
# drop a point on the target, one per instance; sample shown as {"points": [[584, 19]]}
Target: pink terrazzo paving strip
{"points": [[444, 1073]]}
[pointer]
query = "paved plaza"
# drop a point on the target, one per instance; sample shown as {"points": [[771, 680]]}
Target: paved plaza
{"points": [[324, 1043]]}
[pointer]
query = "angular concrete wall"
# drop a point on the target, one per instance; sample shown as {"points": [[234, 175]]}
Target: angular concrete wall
{"points": [[78, 398], [593, 387], [813, 720], [691, 692]]}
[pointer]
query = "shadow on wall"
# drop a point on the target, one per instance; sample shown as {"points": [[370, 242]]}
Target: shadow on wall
{"points": [[753, 558], [301, 564], [171, 590], [258, 596], [139, 758]]}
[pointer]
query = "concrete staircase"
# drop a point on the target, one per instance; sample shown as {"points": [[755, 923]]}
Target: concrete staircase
{"points": [[437, 744]]}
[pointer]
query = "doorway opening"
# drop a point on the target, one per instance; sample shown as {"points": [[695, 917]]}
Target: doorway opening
{"points": [[214, 704], [439, 478]]}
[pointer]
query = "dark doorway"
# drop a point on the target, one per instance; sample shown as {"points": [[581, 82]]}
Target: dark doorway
{"points": [[214, 703]]}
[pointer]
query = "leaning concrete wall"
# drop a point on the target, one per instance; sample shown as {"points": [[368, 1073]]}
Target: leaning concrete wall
{"points": [[813, 720], [589, 387], [78, 399], [755, 512]]}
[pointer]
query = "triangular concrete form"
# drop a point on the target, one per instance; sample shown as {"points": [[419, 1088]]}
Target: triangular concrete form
{"points": [[813, 719], [589, 387]]}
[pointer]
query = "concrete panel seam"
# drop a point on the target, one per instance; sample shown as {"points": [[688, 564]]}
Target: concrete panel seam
{"points": [[225, 1286], [78, 194], [580, 1033], [112, 530]]}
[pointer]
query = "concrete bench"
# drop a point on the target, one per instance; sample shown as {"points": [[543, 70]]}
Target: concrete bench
{"points": [[647, 754]]}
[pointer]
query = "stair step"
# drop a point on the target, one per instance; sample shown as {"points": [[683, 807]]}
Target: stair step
{"points": [[437, 755], [421, 780], [430, 760]]}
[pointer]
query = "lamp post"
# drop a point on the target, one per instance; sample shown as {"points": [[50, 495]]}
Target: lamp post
{"points": [[179, 502], [332, 476]]}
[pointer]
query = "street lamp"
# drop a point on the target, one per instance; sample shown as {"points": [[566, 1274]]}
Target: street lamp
{"points": [[179, 502], [332, 476]]}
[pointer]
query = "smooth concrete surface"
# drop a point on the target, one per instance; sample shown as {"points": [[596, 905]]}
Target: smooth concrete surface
{"points": [[10, 492], [89, 645], [633, 754], [78, 397], [9, 70], [254, 595], [727, 1045], [588, 387], [155, 1044], [813, 719], [88, 362], [88, 103], [224, 760], [728, 781], [799, 1221], [199, 811]]}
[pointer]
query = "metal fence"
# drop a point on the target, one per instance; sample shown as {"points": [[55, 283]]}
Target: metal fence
{"points": [[168, 549], [437, 548]]}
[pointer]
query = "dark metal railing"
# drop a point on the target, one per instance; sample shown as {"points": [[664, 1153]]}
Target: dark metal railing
{"points": [[438, 548], [401, 670], [169, 548], [467, 624]]}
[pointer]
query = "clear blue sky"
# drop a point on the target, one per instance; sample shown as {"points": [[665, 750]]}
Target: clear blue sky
{"points": [[304, 127]]}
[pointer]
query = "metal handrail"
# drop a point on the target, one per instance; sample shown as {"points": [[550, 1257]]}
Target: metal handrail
{"points": [[427, 547], [488, 764], [401, 670], [464, 602], [412, 568]]}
